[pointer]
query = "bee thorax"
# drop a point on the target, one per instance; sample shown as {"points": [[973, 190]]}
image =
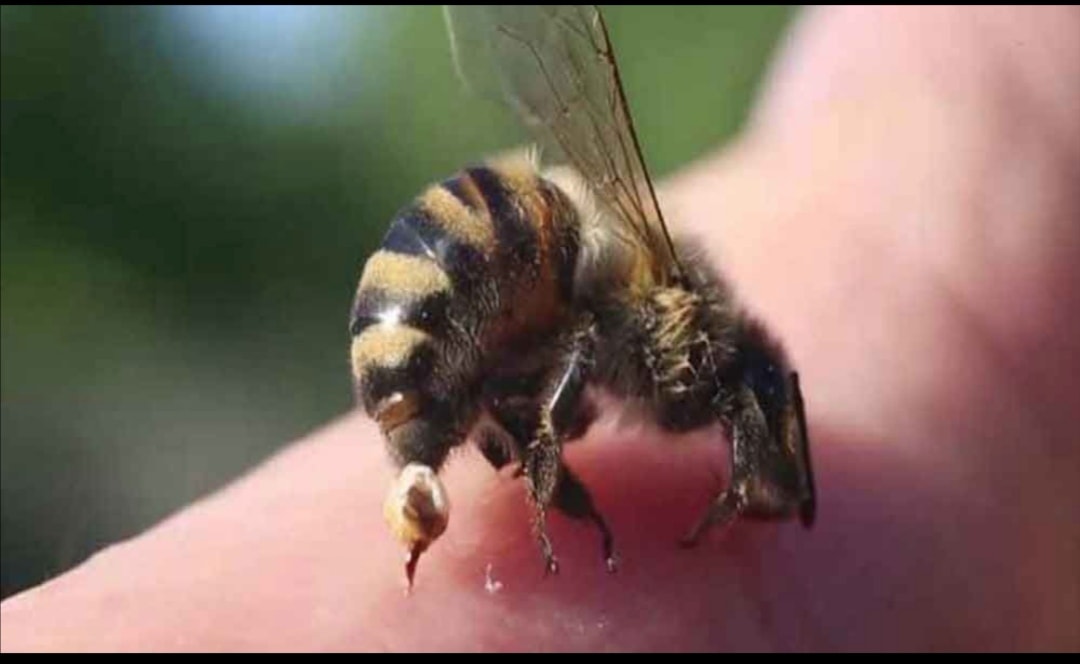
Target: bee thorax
{"points": [[686, 345]]}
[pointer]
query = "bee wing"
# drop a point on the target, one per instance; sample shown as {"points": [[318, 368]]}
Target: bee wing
{"points": [[555, 66]]}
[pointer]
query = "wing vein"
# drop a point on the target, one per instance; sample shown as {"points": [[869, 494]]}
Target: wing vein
{"points": [[556, 66]]}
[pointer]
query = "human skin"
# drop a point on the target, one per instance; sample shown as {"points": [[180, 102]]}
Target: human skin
{"points": [[904, 212]]}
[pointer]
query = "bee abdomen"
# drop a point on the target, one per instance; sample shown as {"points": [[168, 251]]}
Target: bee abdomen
{"points": [[434, 251], [401, 316], [515, 230], [399, 287], [475, 262], [390, 358], [395, 321], [536, 234]]}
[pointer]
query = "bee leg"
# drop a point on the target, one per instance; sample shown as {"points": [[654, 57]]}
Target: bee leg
{"points": [[723, 510], [496, 445], [515, 421], [808, 504], [573, 500], [542, 470], [750, 434], [566, 414], [766, 481], [578, 423], [747, 426], [552, 482], [571, 497]]}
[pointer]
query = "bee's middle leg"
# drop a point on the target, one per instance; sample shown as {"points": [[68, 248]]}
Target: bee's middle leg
{"points": [[573, 499], [551, 482], [564, 414]]}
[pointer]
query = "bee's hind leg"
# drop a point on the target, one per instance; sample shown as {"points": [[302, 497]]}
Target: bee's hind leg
{"points": [[749, 432], [721, 513], [766, 479]]}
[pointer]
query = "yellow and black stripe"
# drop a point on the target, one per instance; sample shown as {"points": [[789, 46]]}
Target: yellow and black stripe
{"points": [[478, 261]]}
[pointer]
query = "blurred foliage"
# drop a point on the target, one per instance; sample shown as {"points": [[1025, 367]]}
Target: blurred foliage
{"points": [[188, 194]]}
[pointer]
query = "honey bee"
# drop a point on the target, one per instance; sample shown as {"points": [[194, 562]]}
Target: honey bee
{"points": [[500, 294]]}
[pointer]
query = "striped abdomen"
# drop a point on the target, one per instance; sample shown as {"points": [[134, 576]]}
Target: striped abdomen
{"points": [[478, 264]]}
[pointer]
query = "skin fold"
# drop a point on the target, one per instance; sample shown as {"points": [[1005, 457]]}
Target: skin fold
{"points": [[902, 210]]}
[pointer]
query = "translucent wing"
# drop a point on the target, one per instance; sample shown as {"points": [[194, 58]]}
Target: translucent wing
{"points": [[554, 64]]}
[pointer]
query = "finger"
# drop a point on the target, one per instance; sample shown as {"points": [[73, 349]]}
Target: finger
{"points": [[295, 557]]}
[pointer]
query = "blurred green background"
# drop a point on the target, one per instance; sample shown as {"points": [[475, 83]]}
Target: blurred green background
{"points": [[188, 194]]}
